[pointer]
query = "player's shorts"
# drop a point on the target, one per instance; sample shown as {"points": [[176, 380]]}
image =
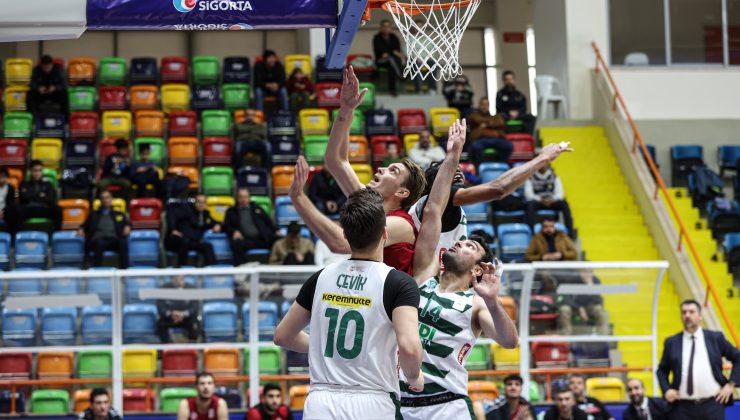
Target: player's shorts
{"points": [[458, 409], [342, 404]]}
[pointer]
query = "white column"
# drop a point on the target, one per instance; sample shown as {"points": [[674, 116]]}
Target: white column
{"points": [[512, 16], [316, 42]]}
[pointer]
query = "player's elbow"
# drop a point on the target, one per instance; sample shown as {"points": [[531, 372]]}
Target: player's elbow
{"points": [[281, 339], [496, 191], [510, 342]]}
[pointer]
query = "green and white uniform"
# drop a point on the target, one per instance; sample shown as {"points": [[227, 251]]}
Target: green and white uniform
{"points": [[445, 327], [454, 224]]}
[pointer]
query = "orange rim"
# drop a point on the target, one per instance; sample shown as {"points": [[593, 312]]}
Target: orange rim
{"points": [[414, 9]]}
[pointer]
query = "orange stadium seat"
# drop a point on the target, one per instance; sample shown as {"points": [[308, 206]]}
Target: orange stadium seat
{"points": [[482, 391], [81, 399], [183, 151], [358, 149], [509, 306], [74, 212], [55, 365], [144, 97], [188, 171], [81, 70], [282, 177], [241, 115], [15, 176], [149, 123], [221, 362], [297, 395]]}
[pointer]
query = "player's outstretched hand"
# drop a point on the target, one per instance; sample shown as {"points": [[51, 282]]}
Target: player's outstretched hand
{"points": [[299, 178], [351, 97], [489, 285], [416, 384], [456, 138], [553, 150]]}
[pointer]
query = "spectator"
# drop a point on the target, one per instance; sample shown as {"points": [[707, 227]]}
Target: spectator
{"points": [[512, 104], [325, 193], [100, 407], [487, 132], [47, 87], [206, 405], [387, 49], [392, 155], [459, 94], [177, 313], [145, 172], [269, 80], [511, 404], [588, 307], [293, 249], [106, 230], [186, 224], [565, 407], [252, 128], [271, 406], [593, 408], [424, 153], [38, 198], [248, 227], [550, 245], [117, 170], [544, 191], [300, 89], [8, 203], [642, 407]]}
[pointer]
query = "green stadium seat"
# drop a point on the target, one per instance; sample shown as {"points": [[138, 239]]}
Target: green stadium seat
{"points": [[82, 98], [478, 358], [206, 69], [358, 122], [263, 201], [216, 123], [157, 148], [368, 102], [50, 401], [534, 391], [270, 360], [17, 125], [48, 174], [218, 180], [236, 96], [169, 398], [94, 364], [315, 149], [112, 71]]}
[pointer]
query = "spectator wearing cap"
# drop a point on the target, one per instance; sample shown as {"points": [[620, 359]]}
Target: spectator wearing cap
{"points": [[106, 229], [144, 172], [510, 404], [117, 170], [512, 104], [326, 194], [550, 245], [187, 224], [459, 94], [269, 80], [424, 152], [47, 87], [387, 49], [38, 198], [293, 249], [487, 132], [248, 227], [8, 203]]}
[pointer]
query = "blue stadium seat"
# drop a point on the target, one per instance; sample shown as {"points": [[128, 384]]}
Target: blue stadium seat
{"points": [[101, 285], [220, 281], [25, 287], [4, 250], [232, 396], [80, 153], [267, 320], [97, 324], [684, 159], [134, 284], [514, 216], [728, 158], [191, 280], [256, 180], [485, 227], [491, 170], [379, 122], [6, 400], [63, 285], [67, 249], [59, 326], [546, 214], [143, 70], [221, 246], [143, 247], [219, 322], [236, 70], [513, 239], [206, 97], [285, 211], [282, 123], [285, 307], [31, 248], [725, 221], [252, 147], [559, 226], [477, 212], [285, 149], [50, 125], [140, 323], [19, 327]]}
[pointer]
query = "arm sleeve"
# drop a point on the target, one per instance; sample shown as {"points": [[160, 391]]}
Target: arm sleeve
{"points": [[259, 75], [664, 367], [305, 295], [399, 290]]}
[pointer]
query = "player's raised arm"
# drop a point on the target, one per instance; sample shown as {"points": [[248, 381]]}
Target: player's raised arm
{"points": [[425, 258], [491, 315], [510, 180], [336, 159]]}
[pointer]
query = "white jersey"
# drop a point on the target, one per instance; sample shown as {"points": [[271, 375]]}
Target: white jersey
{"points": [[353, 344], [446, 239]]}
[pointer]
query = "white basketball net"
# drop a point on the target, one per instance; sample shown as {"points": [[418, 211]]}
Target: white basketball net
{"points": [[432, 36]]}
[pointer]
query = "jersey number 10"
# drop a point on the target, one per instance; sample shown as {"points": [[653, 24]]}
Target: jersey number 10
{"points": [[344, 352]]}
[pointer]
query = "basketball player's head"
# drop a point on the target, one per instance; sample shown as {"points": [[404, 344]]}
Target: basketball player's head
{"points": [[431, 174], [205, 385], [363, 220], [466, 257], [401, 183]]}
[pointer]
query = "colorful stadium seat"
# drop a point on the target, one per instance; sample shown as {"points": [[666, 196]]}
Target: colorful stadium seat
{"points": [[550, 355], [221, 246], [183, 151], [94, 363], [189, 172], [139, 326], [270, 360], [183, 123], [379, 146], [410, 140], [282, 177], [55, 365], [169, 398], [216, 123], [175, 69], [267, 320], [684, 159], [83, 125], [235, 96], [149, 123], [218, 180], [118, 204], [13, 153], [143, 247], [157, 150], [178, 362], [478, 358], [368, 102], [145, 213], [442, 119], [15, 98], [241, 115], [236, 70], [16, 366], [363, 64], [30, 249], [358, 122], [68, 248], [144, 97], [206, 97], [297, 395], [298, 61], [141, 400], [117, 124], [379, 122], [285, 149], [489, 171], [217, 151], [411, 121], [206, 69], [81, 71], [315, 148], [17, 125], [175, 97], [358, 149], [143, 70], [606, 389], [51, 125], [219, 322], [364, 172], [523, 147], [483, 392], [218, 206], [324, 74], [50, 401], [58, 326], [82, 98], [18, 71], [112, 71], [314, 121], [111, 98], [48, 151], [19, 327], [97, 324], [81, 399], [139, 363], [282, 123], [514, 239], [256, 180], [327, 95]]}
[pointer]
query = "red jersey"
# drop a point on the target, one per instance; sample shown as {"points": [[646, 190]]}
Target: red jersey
{"points": [[401, 255], [210, 414]]}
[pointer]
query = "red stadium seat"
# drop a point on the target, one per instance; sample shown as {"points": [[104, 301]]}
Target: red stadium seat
{"points": [[106, 148], [327, 95], [83, 125], [138, 400], [112, 98], [312, 171], [217, 151], [145, 213], [379, 146], [175, 69], [15, 366], [13, 153], [523, 147], [183, 123], [411, 121], [550, 354], [363, 64], [177, 363]]}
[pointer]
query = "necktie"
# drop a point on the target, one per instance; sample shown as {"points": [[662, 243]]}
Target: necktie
{"points": [[690, 376], [642, 413]]}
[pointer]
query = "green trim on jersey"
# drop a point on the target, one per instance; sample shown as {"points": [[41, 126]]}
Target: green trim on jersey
{"points": [[436, 349], [397, 403], [441, 324], [469, 402], [430, 369], [444, 302]]}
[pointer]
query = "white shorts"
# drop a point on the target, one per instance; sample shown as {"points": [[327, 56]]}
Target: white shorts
{"points": [[456, 409], [323, 404]]}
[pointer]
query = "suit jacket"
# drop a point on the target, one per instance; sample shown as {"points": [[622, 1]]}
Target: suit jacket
{"points": [[91, 223], [41, 192], [553, 414], [658, 410], [717, 348], [232, 222], [184, 217]]}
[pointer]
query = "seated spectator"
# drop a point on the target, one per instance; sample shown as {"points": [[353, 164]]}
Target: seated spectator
{"points": [[47, 88], [269, 80], [487, 132], [177, 313], [38, 198], [145, 172], [642, 407], [186, 224], [459, 94], [594, 409], [106, 230], [252, 128], [544, 191], [117, 170], [424, 153], [510, 405], [512, 104], [271, 406], [248, 227], [387, 49], [565, 407], [587, 307], [100, 407], [293, 249], [550, 245], [325, 193], [300, 89], [8, 203], [392, 155]]}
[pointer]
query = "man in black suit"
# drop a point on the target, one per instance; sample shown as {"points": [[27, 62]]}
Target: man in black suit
{"points": [[177, 313], [106, 230], [248, 227], [38, 198], [565, 407], [642, 407], [187, 223], [698, 389]]}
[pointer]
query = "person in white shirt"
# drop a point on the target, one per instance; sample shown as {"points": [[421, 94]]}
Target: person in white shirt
{"points": [[424, 153], [544, 191]]}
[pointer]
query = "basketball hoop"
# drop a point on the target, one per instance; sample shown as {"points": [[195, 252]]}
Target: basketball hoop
{"points": [[432, 32]]}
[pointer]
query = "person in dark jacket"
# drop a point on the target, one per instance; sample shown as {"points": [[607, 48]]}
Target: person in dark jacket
{"points": [[387, 49], [271, 406], [565, 407], [8, 203], [594, 409], [47, 87], [586, 306], [300, 89], [269, 80], [512, 104], [38, 198], [177, 313], [509, 405], [186, 224], [459, 94], [248, 227], [144, 172], [640, 405], [117, 170], [100, 407], [325, 193], [106, 230]]}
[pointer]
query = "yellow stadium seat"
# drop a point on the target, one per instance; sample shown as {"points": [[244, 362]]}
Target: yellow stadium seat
{"points": [[505, 358], [18, 71], [118, 204], [358, 151], [183, 151], [15, 98], [53, 365], [364, 172], [221, 362], [139, 363], [74, 212], [117, 124], [218, 206], [82, 400], [175, 97], [482, 391], [188, 171], [410, 140], [298, 394], [144, 97], [442, 119], [314, 121], [81, 70], [298, 61], [606, 389], [149, 123], [48, 151]]}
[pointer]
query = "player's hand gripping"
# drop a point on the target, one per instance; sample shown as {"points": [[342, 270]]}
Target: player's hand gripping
{"points": [[416, 384], [456, 138], [299, 178], [553, 150], [489, 285], [351, 97]]}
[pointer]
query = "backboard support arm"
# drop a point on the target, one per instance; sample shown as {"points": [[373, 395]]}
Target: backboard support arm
{"points": [[349, 22]]}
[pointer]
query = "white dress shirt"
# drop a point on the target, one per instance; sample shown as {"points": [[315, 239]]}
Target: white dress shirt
{"points": [[705, 386], [645, 407]]}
